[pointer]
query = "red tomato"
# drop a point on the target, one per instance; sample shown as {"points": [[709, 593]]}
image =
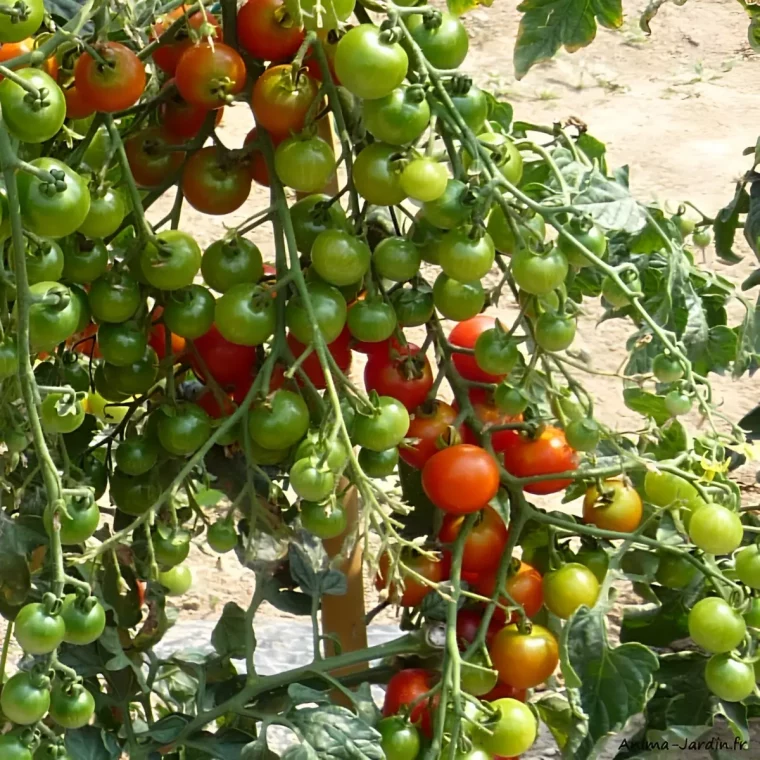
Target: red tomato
{"points": [[484, 544], [281, 99], [208, 401], [487, 412], [258, 165], [414, 589], [311, 366], [150, 160], [277, 380], [468, 623], [166, 57], [461, 479], [112, 87], [403, 373], [267, 31], [228, 363], [408, 687], [504, 691], [524, 586], [430, 423], [181, 120], [210, 75], [85, 342], [157, 341], [464, 335], [77, 106], [214, 182], [330, 41], [545, 454]]}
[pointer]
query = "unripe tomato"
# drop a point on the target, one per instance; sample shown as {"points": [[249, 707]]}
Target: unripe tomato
{"points": [[618, 507], [524, 660], [715, 625], [716, 529], [570, 587]]}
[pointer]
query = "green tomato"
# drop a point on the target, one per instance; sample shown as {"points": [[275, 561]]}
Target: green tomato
{"points": [[71, 705], [504, 154], [496, 352], [584, 234], [748, 566], [400, 738], [44, 261], [170, 546], [399, 118], [15, 29], [715, 625], [424, 179], [81, 522], [25, 698], [222, 536], [122, 343], [456, 300], [37, 631], [84, 260], [134, 495], [114, 297], [371, 321], [8, 357], [466, 254], [183, 429], [136, 378], [677, 403], [107, 212], [596, 560], [729, 679], [675, 571], [384, 428], [245, 315], [472, 106], [397, 259], [177, 580], [583, 434], [231, 261], [531, 227], [375, 175], [510, 400], [329, 308], [570, 587], [340, 258], [514, 732], [333, 452], [304, 163], [52, 323], [189, 312], [312, 215], [12, 747], [172, 262], [413, 306], [29, 118], [310, 480], [325, 521], [451, 209], [85, 619], [539, 273], [378, 464], [280, 421], [441, 37], [667, 369], [716, 530], [61, 412], [555, 332]]}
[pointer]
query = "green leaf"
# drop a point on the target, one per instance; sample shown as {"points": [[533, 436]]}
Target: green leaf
{"points": [[607, 685], [648, 404], [726, 222], [658, 625], [609, 203], [548, 25], [332, 582], [555, 711], [209, 497], [228, 637], [258, 750], [674, 438], [300, 752], [752, 222], [424, 513], [595, 149], [90, 743], [499, 111], [167, 729], [303, 570], [748, 341], [301, 694], [335, 733], [224, 745], [286, 599]]}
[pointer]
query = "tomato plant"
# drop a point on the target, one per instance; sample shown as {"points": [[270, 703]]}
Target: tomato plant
{"points": [[175, 367]]}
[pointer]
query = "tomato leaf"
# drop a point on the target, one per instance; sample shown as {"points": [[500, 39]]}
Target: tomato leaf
{"points": [[748, 342], [548, 25], [223, 745], [661, 623], [609, 203], [335, 733], [460, 7], [606, 685], [752, 222], [228, 636], [90, 743], [499, 111], [726, 223], [209, 497], [556, 713], [647, 404]]}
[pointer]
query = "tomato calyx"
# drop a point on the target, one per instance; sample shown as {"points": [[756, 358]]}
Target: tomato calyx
{"points": [[57, 298]]}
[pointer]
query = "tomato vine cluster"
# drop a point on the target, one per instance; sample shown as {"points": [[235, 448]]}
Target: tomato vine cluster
{"points": [[209, 392]]}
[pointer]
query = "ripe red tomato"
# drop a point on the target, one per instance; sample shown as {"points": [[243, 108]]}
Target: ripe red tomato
{"points": [[77, 106], [215, 183], [166, 57], [228, 363], [461, 479], [181, 120], [267, 31], [414, 590], [524, 586], [403, 373], [464, 335], [484, 544], [258, 164], [408, 687], [281, 99], [210, 75], [545, 454], [487, 412], [505, 691], [468, 623], [208, 401], [429, 424], [150, 161], [339, 349], [114, 86]]}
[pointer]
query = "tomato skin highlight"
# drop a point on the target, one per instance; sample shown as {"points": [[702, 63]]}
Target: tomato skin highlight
{"points": [[546, 454], [115, 86], [461, 479]]}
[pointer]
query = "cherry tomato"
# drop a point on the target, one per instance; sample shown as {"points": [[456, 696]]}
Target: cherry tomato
{"points": [[461, 479], [443, 40], [524, 660], [524, 586], [414, 589], [716, 529], [568, 588], [228, 363], [281, 100], [539, 273], [137, 455], [231, 261], [329, 308], [51, 324], [484, 544], [25, 700], [12, 746], [472, 105], [587, 235], [210, 75], [312, 367], [37, 631], [406, 688], [19, 27], [456, 300], [546, 454], [71, 705], [376, 177], [451, 209], [184, 429], [400, 739], [310, 480], [192, 30], [413, 305], [618, 507], [189, 312], [30, 119], [340, 258], [268, 31], [396, 258], [715, 625], [222, 536], [531, 228], [424, 179], [77, 104], [399, 117], [371, 321], [304, 163], [514, 732], [325, 521], [385, 428], [368, 64], [151, 160], [182, 121], [430, 424], [748, 566], [278, 421], [667, 369], [466, 335], [177, 580], [113, 85], [729, 679], [313, 215], [403, 374], [214, 183]]}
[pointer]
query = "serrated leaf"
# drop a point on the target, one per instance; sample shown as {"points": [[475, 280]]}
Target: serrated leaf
{"points": [[556, 713], [302, 569], [499, 111], [607, 685], [335, 733], [609, 203], [228, 636], [209, 497], [647, 404], [548, 25]]}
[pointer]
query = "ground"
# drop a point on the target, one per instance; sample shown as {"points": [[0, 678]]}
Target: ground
{"points": [[679, 107]]}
